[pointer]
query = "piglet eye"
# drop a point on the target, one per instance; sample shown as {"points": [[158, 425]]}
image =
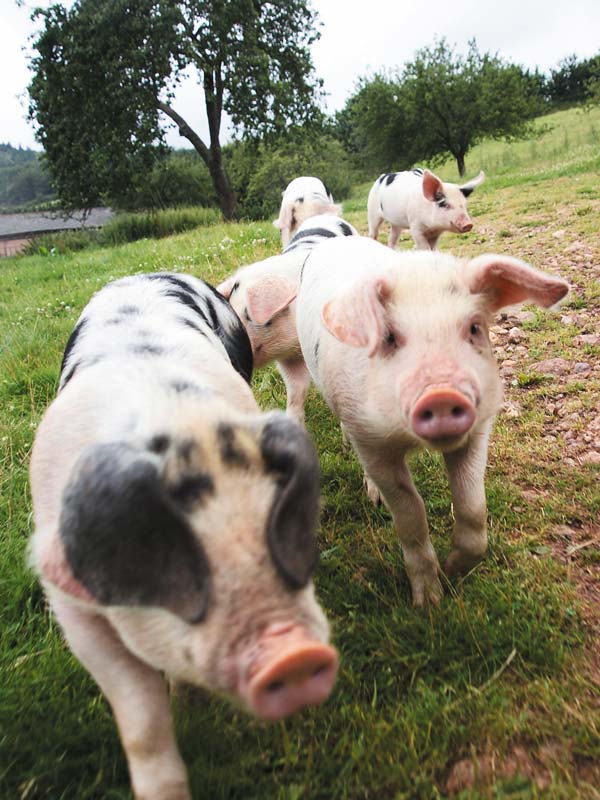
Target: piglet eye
{"points": [[268, 324], [391, 340], [475, 329]]}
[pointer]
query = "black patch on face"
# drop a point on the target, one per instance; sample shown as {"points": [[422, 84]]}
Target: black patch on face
{"points": [[125, 539], [230, 454], [128, 309], [466, 192], [440, 200], [418, 171], [346, 229], [71, 342], [290, 456], [159, 443], [147, 350], [390, 178], [192, 489]]}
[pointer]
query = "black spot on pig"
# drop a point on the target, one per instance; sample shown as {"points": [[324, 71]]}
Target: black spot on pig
{"points": [[127, 310], [185, 387], [300, 199], [71, 342], [231, 332], [69, 374], [390, 178], [345, 228], [418, 171], [192, 490], [124, 538], [147, 350], [317, 353], [382, 177], [159, 443], [231, 454], [466, 191], [290, 457]]}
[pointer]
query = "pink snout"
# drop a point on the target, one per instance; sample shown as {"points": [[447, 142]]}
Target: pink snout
{"points": [[301, 676], [463, 226], [442, 413]]}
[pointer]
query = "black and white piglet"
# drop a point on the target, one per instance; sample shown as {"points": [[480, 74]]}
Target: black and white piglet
{"points": [[174, 523]]}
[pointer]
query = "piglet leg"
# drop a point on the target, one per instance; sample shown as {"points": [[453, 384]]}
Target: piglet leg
{"points": [[466, 470], [297, 383], [395, 483], [139, 699]]}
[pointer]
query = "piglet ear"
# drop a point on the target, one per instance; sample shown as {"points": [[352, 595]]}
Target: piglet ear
{"points": [[333, 208], [468, 187], [125, 540], [286, 217], [431, 185], [505, 281], [357, 317], [290, 456], [268, 297], [226, 287]]}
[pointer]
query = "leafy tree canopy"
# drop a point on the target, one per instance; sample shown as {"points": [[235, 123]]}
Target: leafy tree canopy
{"points": [[441, 104], [105, 70]]}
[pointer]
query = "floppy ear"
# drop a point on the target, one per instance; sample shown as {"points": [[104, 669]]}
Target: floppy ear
{"points": [[125, 540], [226, 287], [290, 455], [268, 297], [467, 188], [505, 281], [431, 185], [286, 217], [357, 316]]}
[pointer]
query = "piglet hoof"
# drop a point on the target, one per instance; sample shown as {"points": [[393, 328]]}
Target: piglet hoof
{"points": [[460, 562], [372, 491], [426, 589]]}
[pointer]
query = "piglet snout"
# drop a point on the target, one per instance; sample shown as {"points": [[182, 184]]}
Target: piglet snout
{"points": [[300, 676], [442, 413]]}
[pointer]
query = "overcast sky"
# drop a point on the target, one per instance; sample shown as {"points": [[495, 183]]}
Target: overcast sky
{"points": [[357, 38]]}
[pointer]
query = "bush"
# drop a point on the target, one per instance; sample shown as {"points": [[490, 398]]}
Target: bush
{"points": [[259, 173], [124, 228]]}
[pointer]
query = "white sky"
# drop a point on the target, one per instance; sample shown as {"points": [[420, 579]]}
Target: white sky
{"points": [[357, 38]]}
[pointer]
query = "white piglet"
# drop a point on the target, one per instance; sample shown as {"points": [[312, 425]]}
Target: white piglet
{"points": [[398, 345], [174, 523], [263, 295], [303, 198], [419, 201]]}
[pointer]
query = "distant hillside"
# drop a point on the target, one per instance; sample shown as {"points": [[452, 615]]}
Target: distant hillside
{"points": [[24, 183]]}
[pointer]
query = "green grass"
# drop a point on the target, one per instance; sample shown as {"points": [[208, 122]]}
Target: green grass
{"points": [[503, 667]]}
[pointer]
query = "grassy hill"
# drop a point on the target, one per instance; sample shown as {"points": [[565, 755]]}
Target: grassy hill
{"points": [[494, 695], [24, 182]]}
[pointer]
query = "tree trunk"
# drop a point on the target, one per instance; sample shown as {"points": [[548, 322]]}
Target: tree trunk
{"points": [[460, 161], [222, 186], [211, 157]]}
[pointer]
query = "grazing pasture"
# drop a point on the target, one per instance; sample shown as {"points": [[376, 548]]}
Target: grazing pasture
{"points": [[494, 694]]}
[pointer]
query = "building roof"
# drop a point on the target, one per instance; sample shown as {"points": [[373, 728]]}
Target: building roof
{"points": [[21, 225]]}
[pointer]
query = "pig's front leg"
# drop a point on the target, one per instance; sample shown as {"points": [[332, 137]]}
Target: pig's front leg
{"points": [[297, 383], [420, 237], [466, 470], [395, 483], [139, 699]]}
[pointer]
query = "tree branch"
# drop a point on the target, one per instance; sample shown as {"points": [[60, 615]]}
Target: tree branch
{"points": [[186, 131]]}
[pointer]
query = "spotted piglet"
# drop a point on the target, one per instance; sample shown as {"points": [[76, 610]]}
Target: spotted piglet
{"points": [[303, 198], [174, 523], [264, 294], [398, 345], [420, 201]]}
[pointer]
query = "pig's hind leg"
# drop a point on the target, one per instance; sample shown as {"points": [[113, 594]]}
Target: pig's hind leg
{"points": [[466, 470], [395, 483], [139, 699]]}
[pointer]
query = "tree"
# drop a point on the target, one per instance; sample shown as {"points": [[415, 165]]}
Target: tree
{"points": [[105, 72], [441, 104]]}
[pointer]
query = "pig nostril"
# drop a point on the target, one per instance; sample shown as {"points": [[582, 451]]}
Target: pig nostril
{"points": [[319, 670], [427, 415], [457, 412], [274, 686]]}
